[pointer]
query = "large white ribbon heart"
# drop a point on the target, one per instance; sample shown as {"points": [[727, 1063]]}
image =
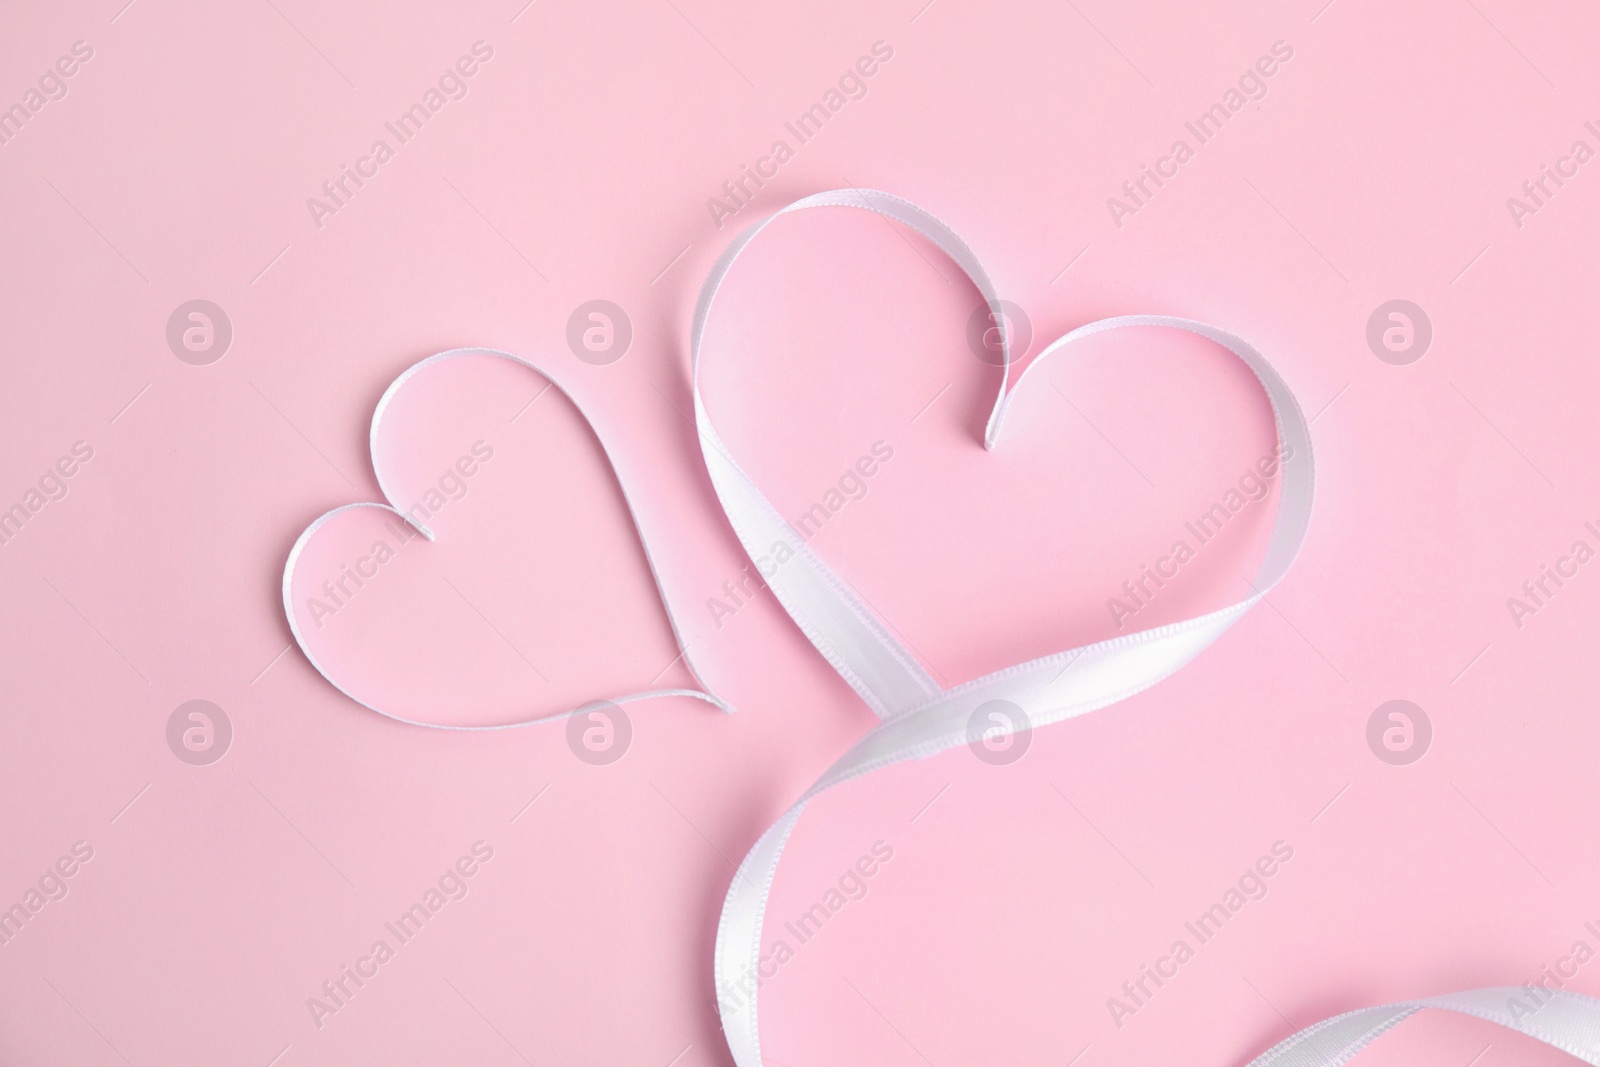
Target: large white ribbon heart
{"points": [[920, 718]]}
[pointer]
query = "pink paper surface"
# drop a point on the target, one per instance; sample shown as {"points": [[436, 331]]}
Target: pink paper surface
{"points": [[584, 158]]}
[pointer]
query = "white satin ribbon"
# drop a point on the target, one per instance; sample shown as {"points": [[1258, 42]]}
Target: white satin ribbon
{"points": [[310, 531], [920, 719], [1569, 1021]]}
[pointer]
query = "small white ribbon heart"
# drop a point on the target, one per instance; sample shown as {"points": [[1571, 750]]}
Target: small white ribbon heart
{"points": [[305, 538]]}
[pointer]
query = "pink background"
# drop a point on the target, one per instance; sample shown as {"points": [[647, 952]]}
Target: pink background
{"points": [[578, 166]]}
